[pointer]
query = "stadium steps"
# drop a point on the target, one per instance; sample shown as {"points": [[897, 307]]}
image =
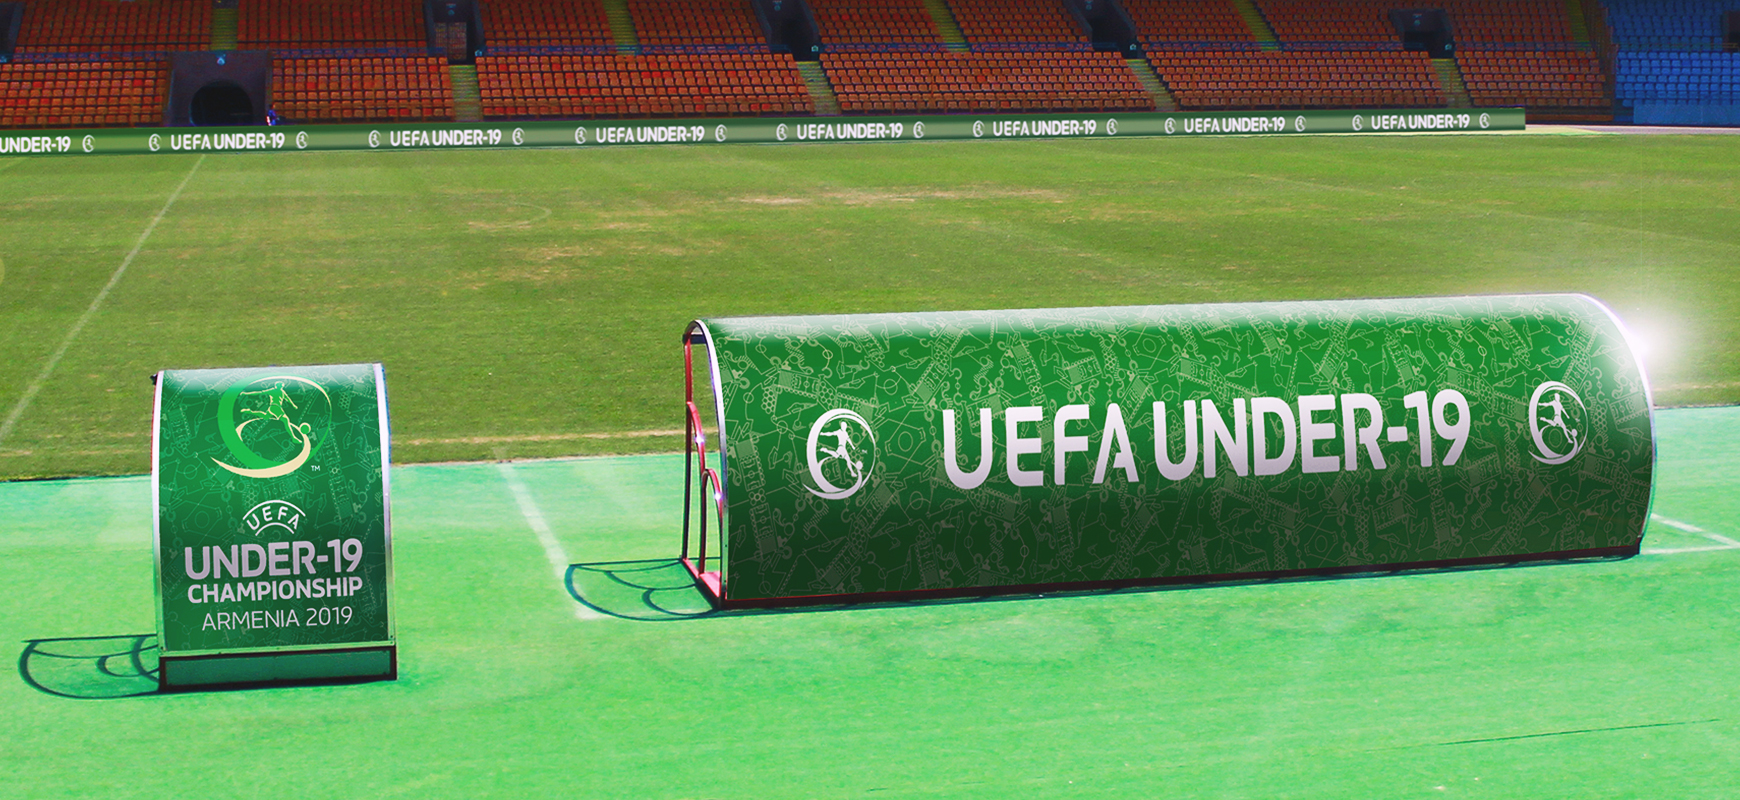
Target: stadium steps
{"points": [[946, 26], [223, 28], [1150, 80], [1579, 23], [821, 91], [1259, 27], [1450, 77], [621, 26], [467, 97]]}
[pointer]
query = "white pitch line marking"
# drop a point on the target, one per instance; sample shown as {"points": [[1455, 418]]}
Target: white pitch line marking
{"points": [[54, 360], [1676, 550], [552, 548], [1690, 528]]}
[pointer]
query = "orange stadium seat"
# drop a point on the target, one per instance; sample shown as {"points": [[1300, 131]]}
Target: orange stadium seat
{"points": [[875, 22], [710, 58], [1164, 23], [1535, 79], [687, 23], [990, 23], [362, 90], [105, 26], [325, 24], [1335, 22], [651, 85], [1310, 79], [1346, 53], [880, 83], [1477, 24], [88, 94], [546, 23], [1483, 24]]}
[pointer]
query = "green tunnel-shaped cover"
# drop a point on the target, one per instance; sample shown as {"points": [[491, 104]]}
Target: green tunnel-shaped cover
{"points": [[962, 451]]}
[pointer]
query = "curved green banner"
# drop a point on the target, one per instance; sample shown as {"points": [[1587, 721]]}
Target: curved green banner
{"points": [[976, 451], [273, 537]]}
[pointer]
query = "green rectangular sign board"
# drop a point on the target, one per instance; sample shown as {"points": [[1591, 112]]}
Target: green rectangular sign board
{"points": [[975, 451], [609, 133], [272, 528]]}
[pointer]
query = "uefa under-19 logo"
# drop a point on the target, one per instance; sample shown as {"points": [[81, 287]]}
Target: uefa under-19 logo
{"points": [[841, 451], [271, 426], [1559, 422]]}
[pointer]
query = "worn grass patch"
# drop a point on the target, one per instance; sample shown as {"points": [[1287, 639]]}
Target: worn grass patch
{"points": [[527, 297]]}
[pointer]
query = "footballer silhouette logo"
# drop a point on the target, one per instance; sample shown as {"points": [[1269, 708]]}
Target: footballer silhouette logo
{"points": [[1559, 422], [841, 452], [271, 426]]}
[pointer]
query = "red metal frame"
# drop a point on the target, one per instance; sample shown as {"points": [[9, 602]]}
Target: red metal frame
{"points": [[695, 455]]}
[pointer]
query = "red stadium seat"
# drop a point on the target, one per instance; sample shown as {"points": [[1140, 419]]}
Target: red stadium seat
{"points": [[978, 82], [664, 85], [86, 94], [362, 90]]}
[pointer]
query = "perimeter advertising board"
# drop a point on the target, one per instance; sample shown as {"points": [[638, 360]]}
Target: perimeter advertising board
{"points": [[272, 530], [963, 452], [590, 134]]}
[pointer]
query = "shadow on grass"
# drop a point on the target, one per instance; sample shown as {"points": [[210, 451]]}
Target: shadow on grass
{"points": [[661, 590], [91, 667], [650, 590]]}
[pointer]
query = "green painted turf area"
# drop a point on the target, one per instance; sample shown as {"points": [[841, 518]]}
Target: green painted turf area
{"points": [[1607, 679], [528, 303]]}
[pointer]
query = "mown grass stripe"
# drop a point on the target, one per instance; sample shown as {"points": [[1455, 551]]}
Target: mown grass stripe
{"points": [[35, 386]]}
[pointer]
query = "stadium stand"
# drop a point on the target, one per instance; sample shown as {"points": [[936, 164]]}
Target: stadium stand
{"points": [[1331, 23], [363, 60], [362, 90], [106, 26], [1668, 24], [1506, 24], [1346, 79], [1340, 53], [510, 25], [83, 94], [875, 24], [1000, 81], [1523, 52], [1343, 53], [1165, 24], [1535, 79], [1672, 68], [1669, 75], [329, 24], [1018, 24], [690, 24], [661, 85]]}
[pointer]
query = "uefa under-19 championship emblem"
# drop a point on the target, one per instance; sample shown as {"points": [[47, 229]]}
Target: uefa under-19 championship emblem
{"points": [[1559, 421], [272, 425], [841, 451], [280, 562]]}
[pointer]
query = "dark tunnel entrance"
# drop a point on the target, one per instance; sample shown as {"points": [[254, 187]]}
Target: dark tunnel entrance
{"points": [[221, 103]]}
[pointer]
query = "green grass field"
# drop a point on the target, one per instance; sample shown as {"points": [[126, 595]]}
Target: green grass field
{"points": [[529, 303], [1610, 679]]}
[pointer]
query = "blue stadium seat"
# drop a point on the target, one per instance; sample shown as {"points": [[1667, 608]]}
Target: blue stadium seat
{"points": [[1671, 67]]}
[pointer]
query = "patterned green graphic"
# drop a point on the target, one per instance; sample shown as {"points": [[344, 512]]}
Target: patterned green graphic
{"points": [[911, 452], [272, 529]]}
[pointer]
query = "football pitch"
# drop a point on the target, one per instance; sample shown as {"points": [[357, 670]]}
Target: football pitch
{"points": [[529, 304]]}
